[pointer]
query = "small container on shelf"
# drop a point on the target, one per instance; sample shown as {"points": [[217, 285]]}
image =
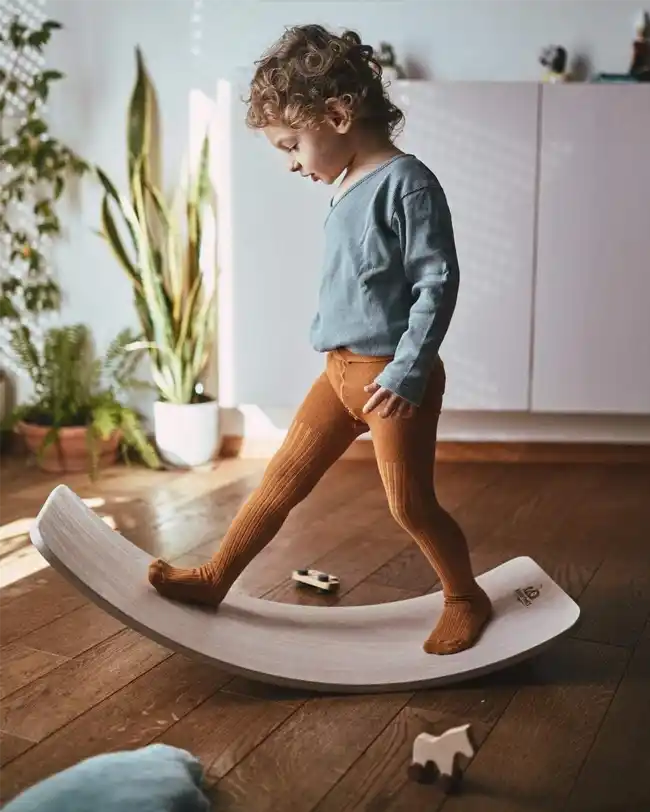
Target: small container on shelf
{"points": [[391, 71]]}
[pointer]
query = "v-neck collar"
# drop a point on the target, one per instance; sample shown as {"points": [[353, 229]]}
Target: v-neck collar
{"points": [[334, 202]]}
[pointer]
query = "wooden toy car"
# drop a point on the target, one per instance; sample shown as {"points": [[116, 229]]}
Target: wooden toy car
{"points": [[321, 580]]}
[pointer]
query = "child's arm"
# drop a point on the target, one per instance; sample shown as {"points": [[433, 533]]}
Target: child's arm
{"points": [[423, 224]]}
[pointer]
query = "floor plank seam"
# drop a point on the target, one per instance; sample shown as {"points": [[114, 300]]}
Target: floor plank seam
{"points": [[494, 479], [385, 564], [597, 642], [362, 754], [67, 660], [287, 579], [108, 695], [599, 727], [7, 641], [32, 745], [602, 562], [212, 785], [490, 732], [196, 708], [92, 708], [646, 628]]}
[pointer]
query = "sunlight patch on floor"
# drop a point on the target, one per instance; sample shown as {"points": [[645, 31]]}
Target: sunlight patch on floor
{"points": [[18, 556], [21, 563]]}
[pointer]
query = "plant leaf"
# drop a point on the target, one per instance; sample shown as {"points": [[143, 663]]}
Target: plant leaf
{"points": [[115, 241], [139, 117]]}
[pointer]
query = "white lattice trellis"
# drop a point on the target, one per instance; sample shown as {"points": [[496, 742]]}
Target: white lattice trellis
{"points": [[196, 27], [23, 66]]}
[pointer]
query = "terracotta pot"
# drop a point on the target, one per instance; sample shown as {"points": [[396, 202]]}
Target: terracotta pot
{"points": [[71, 453]]}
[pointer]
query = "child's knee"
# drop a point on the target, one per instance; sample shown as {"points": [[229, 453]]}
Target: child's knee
{"points": [[408, 510], [289, 478]]}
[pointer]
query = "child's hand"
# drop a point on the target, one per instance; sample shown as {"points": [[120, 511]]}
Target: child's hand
{"points": [[395, 405]]}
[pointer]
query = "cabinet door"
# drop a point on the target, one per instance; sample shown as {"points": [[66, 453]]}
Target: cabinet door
{"points": [[592, 303], [480, 139]]}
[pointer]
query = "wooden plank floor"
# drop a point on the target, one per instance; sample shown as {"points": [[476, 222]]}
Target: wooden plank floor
{"points": [[569, 730]]}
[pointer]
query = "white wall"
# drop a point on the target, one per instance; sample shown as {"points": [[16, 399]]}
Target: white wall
{"points": [[438, 39], [192, 43]]}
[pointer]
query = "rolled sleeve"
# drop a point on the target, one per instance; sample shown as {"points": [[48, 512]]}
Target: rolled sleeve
{"points": [[422, 221]]}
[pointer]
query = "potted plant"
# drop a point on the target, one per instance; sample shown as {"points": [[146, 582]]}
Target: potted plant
{"points": [[173, 295], [35, 170], [77, 419]]}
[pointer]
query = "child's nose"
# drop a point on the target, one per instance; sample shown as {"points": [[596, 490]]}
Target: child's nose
{"points": [[294, 167]]}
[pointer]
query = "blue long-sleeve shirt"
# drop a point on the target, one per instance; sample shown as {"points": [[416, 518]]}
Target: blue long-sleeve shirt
{"points": [[391, 276]]}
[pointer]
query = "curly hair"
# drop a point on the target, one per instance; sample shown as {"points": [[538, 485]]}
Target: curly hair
{"points": [[309, 73]]}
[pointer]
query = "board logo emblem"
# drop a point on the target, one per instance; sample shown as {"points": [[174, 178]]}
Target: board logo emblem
{"points": [[527, 595]]}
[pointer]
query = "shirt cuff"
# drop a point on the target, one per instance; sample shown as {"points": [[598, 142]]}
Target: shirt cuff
{"points": [[410, 387]]}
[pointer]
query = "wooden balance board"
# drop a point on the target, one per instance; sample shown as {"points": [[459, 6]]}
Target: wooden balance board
{"points": [[348, 649]]}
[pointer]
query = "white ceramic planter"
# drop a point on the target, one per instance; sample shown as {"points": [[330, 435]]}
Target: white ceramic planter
{"points": [[187, 435]]}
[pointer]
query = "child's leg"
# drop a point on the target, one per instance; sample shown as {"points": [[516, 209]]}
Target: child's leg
{"points": [[405, 450], [319, 434]]}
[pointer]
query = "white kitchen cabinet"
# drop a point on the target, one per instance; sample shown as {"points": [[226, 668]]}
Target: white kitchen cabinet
{"points": [[480, 139], [592, 301]]}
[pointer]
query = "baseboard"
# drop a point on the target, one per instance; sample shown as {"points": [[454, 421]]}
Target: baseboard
{"points": [[450, 451], [468, 438], [471, 436]]}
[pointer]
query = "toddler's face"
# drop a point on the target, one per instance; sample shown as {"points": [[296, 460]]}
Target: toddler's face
{"points": [[320, 154]]}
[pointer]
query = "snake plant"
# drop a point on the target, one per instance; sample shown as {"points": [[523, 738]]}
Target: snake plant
{"points": [[173, 299]]}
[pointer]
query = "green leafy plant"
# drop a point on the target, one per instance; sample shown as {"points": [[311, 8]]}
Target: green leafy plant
{"points": [[73, 388], [34, 170], [160, 253]]}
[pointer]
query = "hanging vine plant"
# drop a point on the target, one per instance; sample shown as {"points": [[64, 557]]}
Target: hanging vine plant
{"points": [[34, 170]]}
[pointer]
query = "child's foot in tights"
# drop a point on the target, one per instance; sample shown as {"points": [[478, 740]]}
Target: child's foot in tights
{"points": [[462, 621], [200, 585]]}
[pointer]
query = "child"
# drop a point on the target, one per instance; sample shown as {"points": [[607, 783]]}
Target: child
{"points": [[388, 292]]}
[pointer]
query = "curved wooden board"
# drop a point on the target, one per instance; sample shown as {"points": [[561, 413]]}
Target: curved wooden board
{"points": [[351, 649]]}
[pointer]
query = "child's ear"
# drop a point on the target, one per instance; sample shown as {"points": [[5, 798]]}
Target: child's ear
{"points": [[338, 115]]}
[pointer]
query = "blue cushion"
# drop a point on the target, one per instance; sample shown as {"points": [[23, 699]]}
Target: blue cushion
{"points": [[157, 778]]}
